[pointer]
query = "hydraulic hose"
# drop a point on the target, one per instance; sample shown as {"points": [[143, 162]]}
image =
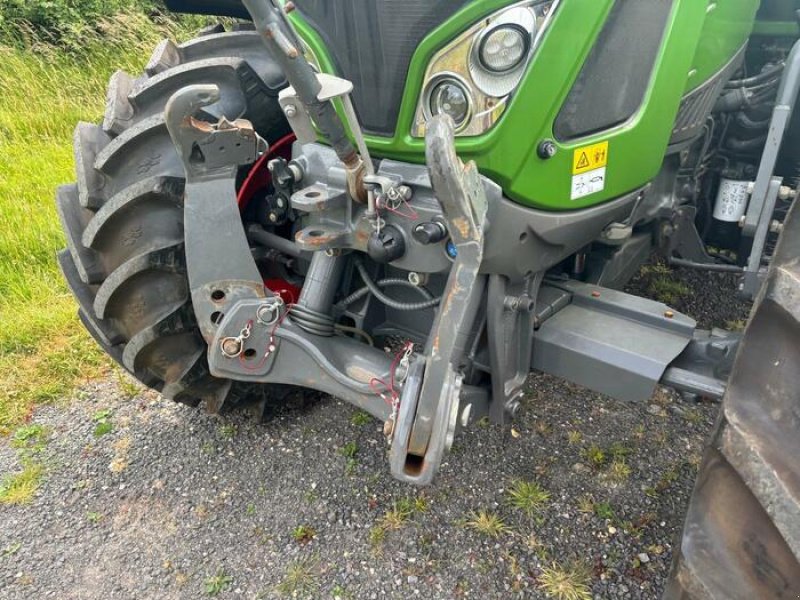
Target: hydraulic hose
{"points": [[390, 302], [756, 79], [384, 283]]}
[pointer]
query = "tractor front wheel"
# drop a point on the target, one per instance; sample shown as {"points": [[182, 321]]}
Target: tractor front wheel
{"points": [[123, 218]]}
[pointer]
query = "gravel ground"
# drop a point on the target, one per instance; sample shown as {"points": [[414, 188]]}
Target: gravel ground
{"points": [[173, 500]]}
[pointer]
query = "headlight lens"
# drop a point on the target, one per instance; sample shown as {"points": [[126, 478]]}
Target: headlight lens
{"points": [[473, 77], [450, 96], [503, 48]]}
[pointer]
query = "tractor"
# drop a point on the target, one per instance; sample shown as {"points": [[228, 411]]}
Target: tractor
{"points": [[411, 205]]}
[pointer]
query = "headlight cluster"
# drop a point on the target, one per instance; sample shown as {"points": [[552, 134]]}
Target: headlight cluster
{"points": [[472, 78]]}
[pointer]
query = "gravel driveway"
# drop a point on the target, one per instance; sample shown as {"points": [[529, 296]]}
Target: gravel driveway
{"points": [[174, 503]]}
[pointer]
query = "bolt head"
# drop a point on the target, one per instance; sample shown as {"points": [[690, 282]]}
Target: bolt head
{"points": [[231, 347], [290, 110]]}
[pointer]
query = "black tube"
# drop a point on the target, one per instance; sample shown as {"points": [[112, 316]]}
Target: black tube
{"points": [[391, 303], [749, 145], [383, 283], [756, 79], [713, 267], [265, 238]]}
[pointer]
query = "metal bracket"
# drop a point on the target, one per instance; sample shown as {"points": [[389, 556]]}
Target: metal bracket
{"points": [[220, 266], [510, 320], [427, 421]]}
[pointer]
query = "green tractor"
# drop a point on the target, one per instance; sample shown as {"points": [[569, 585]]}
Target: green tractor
{"points": [[411, 205]]}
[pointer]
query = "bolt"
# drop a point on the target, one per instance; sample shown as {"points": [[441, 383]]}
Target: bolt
{"points": [[547, 149], [273, 218], [388, 428], [742, 221], [595, 294], [417, 279], [669, 314], [513, 407], [232, 347], [290, 110]]}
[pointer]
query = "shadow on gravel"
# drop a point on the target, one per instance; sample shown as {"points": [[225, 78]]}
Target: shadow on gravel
{"points": [[173, 503]]}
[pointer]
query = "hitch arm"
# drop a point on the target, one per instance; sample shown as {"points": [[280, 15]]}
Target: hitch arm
{"points": [[431, 399]]}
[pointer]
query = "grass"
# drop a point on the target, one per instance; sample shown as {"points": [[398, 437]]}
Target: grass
{"points": [[301, 579], [664, 288], [565, 583], [216, 584], [44, 351], [528, 496], [488, 524], [20, 488], [303, 534]]}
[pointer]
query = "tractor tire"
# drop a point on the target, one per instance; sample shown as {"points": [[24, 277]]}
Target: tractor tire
{"points": [[741, 539], [123, 218]]}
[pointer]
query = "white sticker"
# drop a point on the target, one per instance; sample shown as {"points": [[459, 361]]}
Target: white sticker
{"points": [[588, 183]]}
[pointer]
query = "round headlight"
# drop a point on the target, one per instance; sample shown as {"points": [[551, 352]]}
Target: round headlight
{"points": [[504, 48], [449, 96]]}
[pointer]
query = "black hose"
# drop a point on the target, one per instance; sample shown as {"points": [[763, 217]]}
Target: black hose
{"points": [[383, 283], [716, 268], [391, 303], [756, 79], [749, 145]]}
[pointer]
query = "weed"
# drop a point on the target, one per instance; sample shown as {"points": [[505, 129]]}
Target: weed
{"points": [[30, 438], [349, 450], [420, 504], [595, 455], [586, 504], [618, 471], [528, 496], [574, 437], [604, 510], [376, 535], [488, 524], [301, 578], [737, 325], [103, 424], [619, 451], [250, 510], [565, 583], [339, 593], [19, 488], [11, 550], [667, 290], [361, 418], [228, 431], [94, 517], [216, 584], [303, 534], [544, 428], [127, 386], [693, 416], [396, 517]]}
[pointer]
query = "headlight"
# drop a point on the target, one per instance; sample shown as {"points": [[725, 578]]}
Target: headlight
{"points": [[473, 77], [503, 48], [450, 96]]}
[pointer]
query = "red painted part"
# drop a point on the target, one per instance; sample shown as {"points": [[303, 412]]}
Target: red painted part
{"points": [[259, 176], [289, 293]]}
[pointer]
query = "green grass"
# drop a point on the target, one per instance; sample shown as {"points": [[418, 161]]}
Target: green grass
{"points": [[44, 352], [528, 496], [20, 488], [565, 583]]}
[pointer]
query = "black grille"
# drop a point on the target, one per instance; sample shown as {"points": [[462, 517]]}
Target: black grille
{"points": [[372, 42]]}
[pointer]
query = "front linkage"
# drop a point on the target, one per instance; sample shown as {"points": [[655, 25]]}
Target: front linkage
{"points": [[498, 315]]}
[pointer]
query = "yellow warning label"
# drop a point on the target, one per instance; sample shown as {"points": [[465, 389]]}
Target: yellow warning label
{"points": [[590, 158]]}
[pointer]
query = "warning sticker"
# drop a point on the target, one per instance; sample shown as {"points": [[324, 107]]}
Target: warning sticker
{"points": [[590, 158], [588, 183]]}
